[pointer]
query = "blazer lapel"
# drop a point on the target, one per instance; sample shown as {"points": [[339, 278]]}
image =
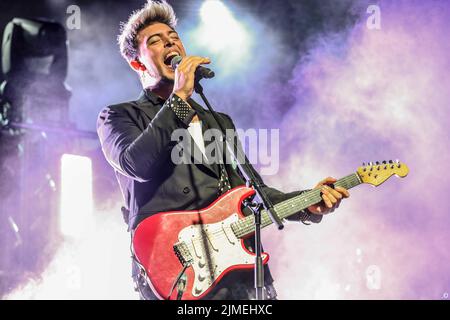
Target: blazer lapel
{"points": [[150, 104]]}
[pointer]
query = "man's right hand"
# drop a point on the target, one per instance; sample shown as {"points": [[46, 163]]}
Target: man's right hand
{"points": [[185, 76]]}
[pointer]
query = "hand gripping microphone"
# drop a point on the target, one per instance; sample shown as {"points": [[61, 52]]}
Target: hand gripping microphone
{"points": [[200, 73]]}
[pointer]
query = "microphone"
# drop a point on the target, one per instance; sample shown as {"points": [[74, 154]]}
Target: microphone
{"points": [[200, 73]]}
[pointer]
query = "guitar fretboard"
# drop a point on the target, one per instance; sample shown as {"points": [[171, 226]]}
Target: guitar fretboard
{"points": [[245, 226]]}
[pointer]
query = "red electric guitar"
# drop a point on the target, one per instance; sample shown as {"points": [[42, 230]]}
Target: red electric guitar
{"points": [[207, 244]]}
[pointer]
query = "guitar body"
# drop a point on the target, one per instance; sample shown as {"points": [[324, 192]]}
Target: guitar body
{"points": [[209, 242], [204, 236]]}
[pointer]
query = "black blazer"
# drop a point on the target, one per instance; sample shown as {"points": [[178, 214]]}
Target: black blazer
{"points": [[136, 140]]}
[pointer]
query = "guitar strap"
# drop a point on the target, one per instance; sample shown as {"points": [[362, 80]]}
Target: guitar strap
{"points": [[138, 272], [180, 283]]}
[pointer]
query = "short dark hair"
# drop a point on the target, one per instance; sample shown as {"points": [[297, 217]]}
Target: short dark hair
{"points": [[152, 12]]}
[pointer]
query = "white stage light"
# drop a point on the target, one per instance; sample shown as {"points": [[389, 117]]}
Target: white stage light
{"points": [[221, 34], [215, 12], [76, 206]]}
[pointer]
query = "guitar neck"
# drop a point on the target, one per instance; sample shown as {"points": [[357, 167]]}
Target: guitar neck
{"points": [[245, 226]]}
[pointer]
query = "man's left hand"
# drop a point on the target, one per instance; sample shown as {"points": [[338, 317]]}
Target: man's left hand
{"points": [[331, 197]]}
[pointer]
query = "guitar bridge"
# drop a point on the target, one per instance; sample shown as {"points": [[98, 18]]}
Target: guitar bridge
{"points": [[182, 252]]}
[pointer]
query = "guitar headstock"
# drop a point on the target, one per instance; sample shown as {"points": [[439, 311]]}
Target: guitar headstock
{"points": [[375, 173]]}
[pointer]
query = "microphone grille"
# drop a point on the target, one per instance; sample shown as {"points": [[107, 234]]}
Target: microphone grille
{"points": [[175, 61]]}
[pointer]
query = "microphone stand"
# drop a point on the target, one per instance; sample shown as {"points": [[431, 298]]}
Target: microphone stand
{"points": [[257, 204]]}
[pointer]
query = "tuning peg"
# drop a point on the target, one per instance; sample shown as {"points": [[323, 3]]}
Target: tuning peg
{"points": [[364, 164], [384, 162], [390, 161], [397, 161], [377, 163]]}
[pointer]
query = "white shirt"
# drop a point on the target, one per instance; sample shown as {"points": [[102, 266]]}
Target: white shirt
{"points": [[195, 130]]}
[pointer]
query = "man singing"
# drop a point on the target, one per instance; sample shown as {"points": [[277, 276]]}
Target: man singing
{"points": [[136, 138]]}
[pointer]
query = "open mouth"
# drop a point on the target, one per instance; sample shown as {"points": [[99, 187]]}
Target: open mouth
{"points": [[169, 57]]}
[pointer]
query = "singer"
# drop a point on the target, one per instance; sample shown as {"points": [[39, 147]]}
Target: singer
{"points": [[136, 140]]}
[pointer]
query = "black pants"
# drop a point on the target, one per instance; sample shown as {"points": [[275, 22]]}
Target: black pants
{"points": [[237, 285]]}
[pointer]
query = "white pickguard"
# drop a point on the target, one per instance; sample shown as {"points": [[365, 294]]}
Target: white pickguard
{"points": [[214, 248]]}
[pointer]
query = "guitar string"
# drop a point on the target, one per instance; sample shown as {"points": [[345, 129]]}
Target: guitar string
{"points": [[248, 228], [315, 194], [246, 224]]}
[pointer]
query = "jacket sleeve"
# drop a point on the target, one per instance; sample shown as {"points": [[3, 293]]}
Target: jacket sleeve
{"points": [[129, 149], [277, 196]]}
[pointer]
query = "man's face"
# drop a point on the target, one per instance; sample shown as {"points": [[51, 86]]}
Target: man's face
{"points": [[158, 44]]}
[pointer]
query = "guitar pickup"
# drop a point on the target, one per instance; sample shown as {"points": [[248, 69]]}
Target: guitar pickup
{"points": [[183, 254]]}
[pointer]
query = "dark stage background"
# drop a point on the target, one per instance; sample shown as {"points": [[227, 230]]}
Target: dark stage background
{"points": [[345, 82]]}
